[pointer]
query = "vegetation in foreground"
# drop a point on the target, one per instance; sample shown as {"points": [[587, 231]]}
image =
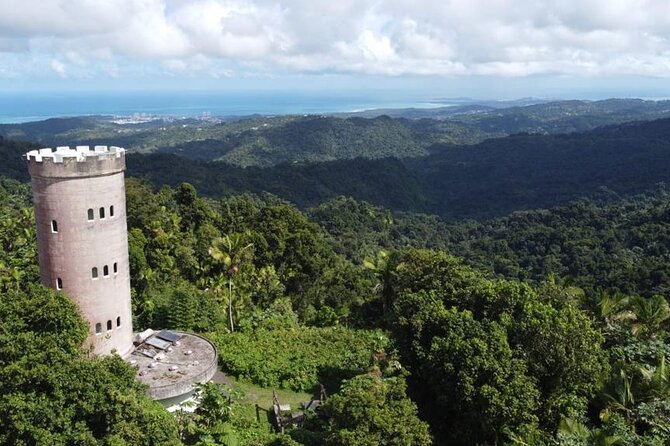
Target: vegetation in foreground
{"points": [[458, 354]]}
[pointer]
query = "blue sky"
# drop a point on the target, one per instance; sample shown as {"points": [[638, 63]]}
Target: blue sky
{"points": [[476, 48]]}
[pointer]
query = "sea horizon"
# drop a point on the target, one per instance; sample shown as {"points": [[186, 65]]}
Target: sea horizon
{"points": [[16, 108]]}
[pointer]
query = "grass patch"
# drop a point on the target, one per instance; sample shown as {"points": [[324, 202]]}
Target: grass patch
{"points": [[252, 413], [254, 395]]}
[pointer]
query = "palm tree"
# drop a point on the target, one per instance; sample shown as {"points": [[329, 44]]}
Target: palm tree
{"points": [[620, 396], [650, 315], [656, 381], [380, 267], [612, 308], [232, 251], [597, 437]]}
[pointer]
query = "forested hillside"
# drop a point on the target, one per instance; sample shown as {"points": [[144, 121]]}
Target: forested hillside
{"points": [[565, 116], [387, 181], [254, 141], [541, 321], [347, 296], [620, 247], [267, 141], [498, 118], [522, 171], [493, 178]]}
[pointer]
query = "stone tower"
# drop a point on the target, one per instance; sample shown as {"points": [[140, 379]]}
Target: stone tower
{"points": [[82, 238]]}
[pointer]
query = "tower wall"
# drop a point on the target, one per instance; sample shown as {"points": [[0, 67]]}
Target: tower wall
{"points": [[69, 187]]}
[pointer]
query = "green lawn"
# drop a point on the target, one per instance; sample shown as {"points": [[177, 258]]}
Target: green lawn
{"points": [[262, 396]]}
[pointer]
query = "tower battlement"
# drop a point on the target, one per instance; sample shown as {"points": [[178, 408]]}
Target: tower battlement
{"points": [[82, 236], [80, 153], [82, 161]]}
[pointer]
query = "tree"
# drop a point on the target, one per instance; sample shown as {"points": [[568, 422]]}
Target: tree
{"points": [[467, 379], [51, 393], [379, 266], [488, 356], [573, 433], [232, 251], [370, 411], [650, 315]]}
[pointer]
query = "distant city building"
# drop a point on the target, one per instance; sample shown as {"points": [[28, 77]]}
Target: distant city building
{"points": [[82, 239]]}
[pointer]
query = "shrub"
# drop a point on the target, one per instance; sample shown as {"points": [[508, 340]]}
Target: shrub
{"points": [[298, 358]]}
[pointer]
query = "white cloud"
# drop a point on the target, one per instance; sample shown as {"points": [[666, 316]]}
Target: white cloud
{"points": [[390, 37], [59, 68]]}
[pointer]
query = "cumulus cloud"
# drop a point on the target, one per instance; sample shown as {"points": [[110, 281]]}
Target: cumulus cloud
{"points": [[391, 37], [58, 67]]}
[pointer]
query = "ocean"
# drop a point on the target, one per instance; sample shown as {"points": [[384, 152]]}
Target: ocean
{"points": [[25, 107]]}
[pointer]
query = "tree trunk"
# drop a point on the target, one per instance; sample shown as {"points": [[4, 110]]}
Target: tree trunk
{"points": [[230, 304]]}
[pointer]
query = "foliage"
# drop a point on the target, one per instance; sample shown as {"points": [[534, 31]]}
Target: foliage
{"points": [[298, 358], [51, 393], [181, 305], [291, 257], [231, 251], [385, 181], [475, 346], [369, 411], [18, 249], [211, 421], [615, 247], [573, 433]]}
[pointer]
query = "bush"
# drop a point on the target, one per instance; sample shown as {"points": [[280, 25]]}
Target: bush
{"points": [[298, 358]]}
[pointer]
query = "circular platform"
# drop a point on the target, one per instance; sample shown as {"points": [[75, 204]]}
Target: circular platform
{"points": [[173, 368]]}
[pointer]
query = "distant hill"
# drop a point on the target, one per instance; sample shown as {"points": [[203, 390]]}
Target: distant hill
{"points": [[495, 177], [411, 170], [419, 113], [565, 116], [524, 171], [267, 141], [315, 138], [48, 129], [386, 182], [13, 163], [546, 117], [492, 178]]}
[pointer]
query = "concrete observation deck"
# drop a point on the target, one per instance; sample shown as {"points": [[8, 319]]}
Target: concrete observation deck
{"points": [[172, 363]]}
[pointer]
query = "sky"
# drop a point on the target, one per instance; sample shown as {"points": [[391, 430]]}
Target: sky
{"points": [[477, 48]]}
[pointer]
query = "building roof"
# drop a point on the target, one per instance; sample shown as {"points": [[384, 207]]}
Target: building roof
{"points": [[175, 370]]}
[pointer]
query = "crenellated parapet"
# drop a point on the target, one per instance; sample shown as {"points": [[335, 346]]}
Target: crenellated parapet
{"points": [[80, 162]]}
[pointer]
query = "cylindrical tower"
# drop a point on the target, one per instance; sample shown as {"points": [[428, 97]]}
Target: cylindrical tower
{"points": [[82, 238]]}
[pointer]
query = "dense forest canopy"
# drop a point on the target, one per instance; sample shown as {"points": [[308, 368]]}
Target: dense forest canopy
{"points": [[479, 181], [541, 362], [525, 326]]}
